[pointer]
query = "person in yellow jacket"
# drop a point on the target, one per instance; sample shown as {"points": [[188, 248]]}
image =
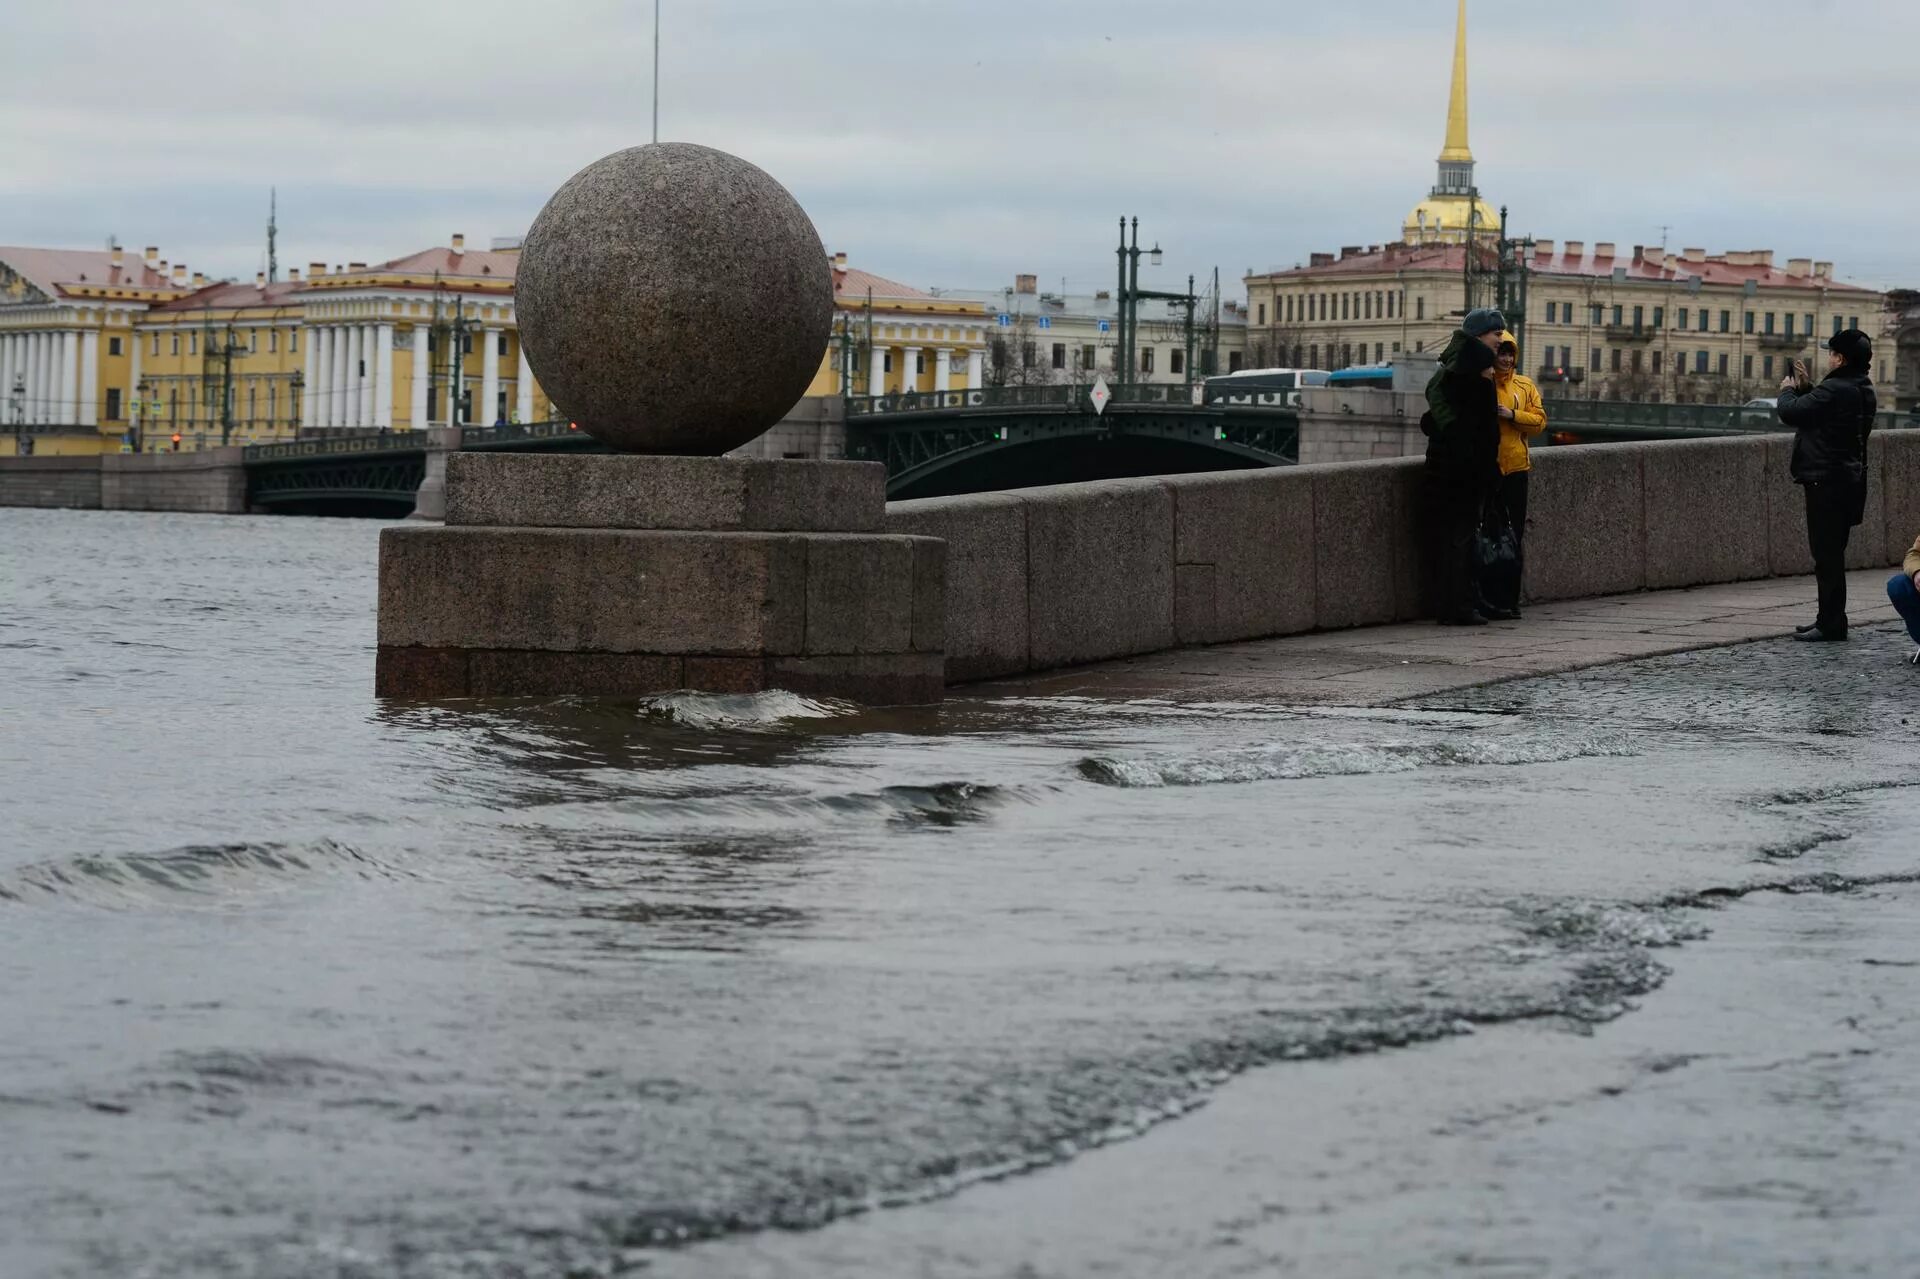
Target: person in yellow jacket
{"points": [[1522, 417], [1904, 591]]}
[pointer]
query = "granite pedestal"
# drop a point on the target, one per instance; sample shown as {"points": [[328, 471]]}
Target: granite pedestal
{"points": [[634, 574]]}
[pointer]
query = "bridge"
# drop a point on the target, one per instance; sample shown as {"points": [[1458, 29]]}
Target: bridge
{"points": [[931, 444]]}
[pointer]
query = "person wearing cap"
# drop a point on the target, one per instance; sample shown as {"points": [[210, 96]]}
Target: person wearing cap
{"points": [[1904, 591], [1830, 424], [1463, 428], [1522, 416]]}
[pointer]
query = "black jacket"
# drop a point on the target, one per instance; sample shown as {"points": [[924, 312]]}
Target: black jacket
{"points": [[1830, 426], [1467, 413]]}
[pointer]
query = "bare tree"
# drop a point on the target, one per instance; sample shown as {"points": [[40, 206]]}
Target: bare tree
{"points": [[1015, 357]]}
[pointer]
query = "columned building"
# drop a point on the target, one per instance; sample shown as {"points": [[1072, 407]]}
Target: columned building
{"points": [[890, 337]]}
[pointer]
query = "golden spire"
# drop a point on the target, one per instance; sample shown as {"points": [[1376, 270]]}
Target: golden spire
{"points": [[1456, 147]]}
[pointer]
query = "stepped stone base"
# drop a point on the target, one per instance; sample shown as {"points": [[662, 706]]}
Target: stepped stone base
{"points": [[625, 575]]}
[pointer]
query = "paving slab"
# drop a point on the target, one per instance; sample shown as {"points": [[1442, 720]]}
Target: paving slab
{"points": [[1378, 664]]}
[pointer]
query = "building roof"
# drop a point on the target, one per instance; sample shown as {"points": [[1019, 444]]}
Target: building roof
{"points": [[852, 282], [50, 269], [227, 295], [1549, 259]]}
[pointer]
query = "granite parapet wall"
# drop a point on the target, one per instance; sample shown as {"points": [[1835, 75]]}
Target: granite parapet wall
{"points": [[1046, 577], [69, 483]]}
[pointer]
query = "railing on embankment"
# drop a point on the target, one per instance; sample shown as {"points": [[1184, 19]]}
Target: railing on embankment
{"points": [[1047, 577]]}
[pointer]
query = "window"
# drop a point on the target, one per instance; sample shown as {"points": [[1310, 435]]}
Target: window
{"points": [[1389, 306], [1683, 317], [1636, 361], [1808, 317], [156, 345], [1746, 367], [1233, 361], [173, 401], [1639, 314], [1619, 316], [1566, 357], [1679, 361], [113, 346], [1837, 325], [1419, 347], [1766, 367], [466, 348], [1146, 360], [1366, 305], [1789, 323], [1594, 313], [1346, 355], [1419, 308], [253, 341], [293, 339], [466, 397], [1087, 357], [1703, 320], [1616, 359], [193, 344], [1263, 314], [1769, 322], [1313, 356], [1029, 354], [273, 340], [1747, 320], [1059, 355], [1593, 360], [920, 362], [250, 402], [1396, 345], [1726, 321], [1379, 352], [1723, 364], [273, 399], [886, 361], [1699, 361], [433, 403], [1853, 322], [113, 400], [503, 344], [175, 344], [1346, 305], [1177, 362]]}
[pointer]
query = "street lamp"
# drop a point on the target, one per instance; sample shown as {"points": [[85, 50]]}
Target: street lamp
{"points": [[299, 384], [1131, 293]]}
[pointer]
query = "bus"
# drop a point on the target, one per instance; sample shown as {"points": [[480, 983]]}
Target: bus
{"points": [[1268, 380], [1377, 377]]}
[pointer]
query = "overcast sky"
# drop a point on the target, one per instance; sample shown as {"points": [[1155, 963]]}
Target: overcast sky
{"points": [[955, 144]]}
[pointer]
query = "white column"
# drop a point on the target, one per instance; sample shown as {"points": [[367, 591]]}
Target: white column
{"points": [[321, 336], [383, 376], [876, 370], [90, 378], [69, 376], [338, 414], [942, 368], [909, 364], [30, 373], [359, 366], [422, 371], [47, 378], [523, 388], [309, 372], [489, 378], [974, 369], [6, 380]]}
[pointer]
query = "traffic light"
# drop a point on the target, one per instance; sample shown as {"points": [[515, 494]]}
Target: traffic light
{"points": [[176, 441]]}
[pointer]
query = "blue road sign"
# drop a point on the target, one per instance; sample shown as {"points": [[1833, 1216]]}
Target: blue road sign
{"points": [[1005, 321], [1105, 327], [1045, 321]]}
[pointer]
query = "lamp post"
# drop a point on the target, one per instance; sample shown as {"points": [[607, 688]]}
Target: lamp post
{"points": [[1131, 293], [299, 384]]}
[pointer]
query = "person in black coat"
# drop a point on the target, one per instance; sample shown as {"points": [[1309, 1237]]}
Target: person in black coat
{"points": [[1830, 424], [1463, 467]]}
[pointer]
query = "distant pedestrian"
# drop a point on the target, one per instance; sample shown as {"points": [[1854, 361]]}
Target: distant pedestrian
{"points": [[1522, 416], [1830, 424], [1904, 591], [1463, 427]]}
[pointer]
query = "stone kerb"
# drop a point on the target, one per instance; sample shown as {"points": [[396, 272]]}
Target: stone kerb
{"points": [[70, 483], [209, 482]]}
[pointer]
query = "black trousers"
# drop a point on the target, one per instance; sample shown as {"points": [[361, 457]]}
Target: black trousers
{"points": [[1454, 503], [1512, 496], [1830, 508]]}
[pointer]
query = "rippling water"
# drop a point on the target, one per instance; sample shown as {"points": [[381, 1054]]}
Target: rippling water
{"points": [[295, 982]]}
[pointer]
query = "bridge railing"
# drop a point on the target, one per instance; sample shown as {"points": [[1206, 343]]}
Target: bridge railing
{"points": [[480, 437], [359, 442], [1061, 395]]}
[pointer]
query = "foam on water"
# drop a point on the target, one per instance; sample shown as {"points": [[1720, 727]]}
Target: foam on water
{"points": [[770, 708], [1285, 761]]}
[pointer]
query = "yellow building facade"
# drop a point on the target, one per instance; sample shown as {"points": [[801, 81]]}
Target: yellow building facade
{"points": [[889, 337]]}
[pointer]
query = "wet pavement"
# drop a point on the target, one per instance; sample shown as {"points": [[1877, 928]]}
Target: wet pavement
{"points": [[1208, 972]]}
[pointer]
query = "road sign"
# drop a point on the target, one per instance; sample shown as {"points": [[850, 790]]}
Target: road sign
{"points": [[1045, 322], [1004, 320], [1105, 327], [1099, 395]]}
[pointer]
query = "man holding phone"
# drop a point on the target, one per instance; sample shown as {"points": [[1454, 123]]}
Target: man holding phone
{"points": [[1830, 424]]}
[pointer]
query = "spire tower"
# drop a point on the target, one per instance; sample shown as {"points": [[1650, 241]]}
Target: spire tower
{"points": [[1456, 157], [1453, 209]]}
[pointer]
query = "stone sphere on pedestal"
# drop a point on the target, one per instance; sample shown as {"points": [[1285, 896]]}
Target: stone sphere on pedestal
{"points": [[673, 299]]}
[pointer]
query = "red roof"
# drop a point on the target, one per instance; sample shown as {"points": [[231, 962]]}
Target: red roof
{"points": [[223, 296], [473, 263], [1452, 258], [49, 269], [852, 282]]}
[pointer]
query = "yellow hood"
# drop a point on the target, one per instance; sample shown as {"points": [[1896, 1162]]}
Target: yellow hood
{"points": [[1506, 339]]}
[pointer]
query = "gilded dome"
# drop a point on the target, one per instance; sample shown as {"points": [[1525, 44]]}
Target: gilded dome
{"points": [[1443, 219]]}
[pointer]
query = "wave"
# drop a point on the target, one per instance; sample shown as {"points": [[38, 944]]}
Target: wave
{"points": [[768, 709], [205, 871], [1283, 763]]}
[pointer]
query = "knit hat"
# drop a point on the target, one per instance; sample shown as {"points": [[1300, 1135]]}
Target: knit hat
{"points": [[1481, 321], [1853, 346]]}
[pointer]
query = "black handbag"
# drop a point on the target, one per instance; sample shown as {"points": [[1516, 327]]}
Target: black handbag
{"points": [[1496, 553]]}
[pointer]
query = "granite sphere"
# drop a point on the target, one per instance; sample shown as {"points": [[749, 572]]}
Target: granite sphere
{"points": [[673, 299]]}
